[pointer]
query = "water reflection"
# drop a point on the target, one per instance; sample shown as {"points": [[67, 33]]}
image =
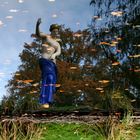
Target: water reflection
{"points": [[99, 65]]}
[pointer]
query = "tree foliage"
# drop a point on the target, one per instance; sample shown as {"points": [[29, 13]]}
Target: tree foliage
{"points": [[76, 80], [98, 66], [115, 28]]}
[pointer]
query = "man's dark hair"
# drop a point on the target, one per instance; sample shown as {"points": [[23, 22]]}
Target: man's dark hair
{"points": [[54, 26]]}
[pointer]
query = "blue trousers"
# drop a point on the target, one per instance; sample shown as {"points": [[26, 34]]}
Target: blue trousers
{"points": [[49, 77]]}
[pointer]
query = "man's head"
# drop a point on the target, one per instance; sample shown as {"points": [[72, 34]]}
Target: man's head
{"points": [[54, 26], [54, 29]]}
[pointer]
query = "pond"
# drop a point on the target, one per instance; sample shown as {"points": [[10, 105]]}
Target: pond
{"points": [[96, 51]]}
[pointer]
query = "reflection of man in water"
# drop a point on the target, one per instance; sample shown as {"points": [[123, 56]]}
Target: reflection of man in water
{"points": [[50, 49]]}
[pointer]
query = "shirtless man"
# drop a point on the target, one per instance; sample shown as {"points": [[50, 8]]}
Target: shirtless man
{"points": [[50, 49], [50, 46]]}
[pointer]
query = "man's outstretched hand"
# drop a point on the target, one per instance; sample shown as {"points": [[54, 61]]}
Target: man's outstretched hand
{"points": [[39, 21]]}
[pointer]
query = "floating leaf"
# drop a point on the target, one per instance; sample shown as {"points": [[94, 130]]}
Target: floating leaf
{"points": [[78, 23], [27, 81], [95, 17], [36, 84], [20, 1], [138, 45], [86, 84], [79, 90], [1, 23], [118, 38], [104, 43], [88, 66], [113, 44], [117, 13], [99, 88], [134, 56], [61, 91], [57, 85], [51, 0], [119, 51], [104, 81], [137, 70], [9, 17], [93, 50], [22, 30], [17, 74], [34, 91], [134, 100], [77, 34], [54, 15], [126, 89], [19, 86], [73, 68], [101, 91], [115, 63], [19, 80], [13, 10]]}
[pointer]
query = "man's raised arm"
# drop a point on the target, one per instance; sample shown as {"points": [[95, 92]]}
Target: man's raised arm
{"points": [[37, 32]]}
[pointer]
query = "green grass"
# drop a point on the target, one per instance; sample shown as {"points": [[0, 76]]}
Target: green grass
{"points": [[138, 132], [108, 130], [67, 131], [72, 131]]}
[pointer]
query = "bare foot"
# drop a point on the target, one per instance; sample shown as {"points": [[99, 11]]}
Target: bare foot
{"points": [[45, 105]]}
